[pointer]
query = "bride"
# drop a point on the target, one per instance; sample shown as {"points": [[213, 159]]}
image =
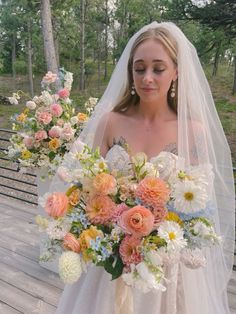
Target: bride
{"points": [[158, 102]]}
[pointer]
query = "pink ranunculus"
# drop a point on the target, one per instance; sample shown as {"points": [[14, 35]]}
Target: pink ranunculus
{"points": [[49, 78], [40, 135], [64, 93], [28, 141], [118, 211], [56, 110], [57, 204], [60, 122], [129, 251], [70, 242], [55, 131], [160, 214], [44, 117], [67, 132], [138, 221]]}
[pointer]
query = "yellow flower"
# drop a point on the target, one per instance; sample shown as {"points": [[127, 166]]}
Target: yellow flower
{"points": [[54, 144], [26, 154], [85, 238], [41, 222], [82, 117], [174, 217], [21, 117], [26, 111]]}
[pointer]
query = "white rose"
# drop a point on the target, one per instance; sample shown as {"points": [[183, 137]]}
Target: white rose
{"points": [[31, 105]]}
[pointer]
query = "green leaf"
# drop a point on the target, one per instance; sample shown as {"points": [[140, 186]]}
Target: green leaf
{"points": [[115, 270]]}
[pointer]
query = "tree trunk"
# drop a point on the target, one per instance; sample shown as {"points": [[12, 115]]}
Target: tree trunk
{"points": [[30, 71], [82, 33], [13, 59], [216, 59], [106, 39], [234, 86], [49, 48]]}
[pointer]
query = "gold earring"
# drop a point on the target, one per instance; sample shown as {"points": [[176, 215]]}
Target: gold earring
{"points": [[132, 90], [172, 91]]}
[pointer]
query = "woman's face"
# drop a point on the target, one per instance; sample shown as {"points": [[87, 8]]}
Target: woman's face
{"points": [[153, 71]]}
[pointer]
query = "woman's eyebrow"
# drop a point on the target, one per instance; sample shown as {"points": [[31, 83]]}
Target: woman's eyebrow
{"points": [[154, 61]]}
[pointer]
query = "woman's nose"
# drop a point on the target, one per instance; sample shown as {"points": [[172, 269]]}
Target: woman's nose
{"points": [[147, 78]]}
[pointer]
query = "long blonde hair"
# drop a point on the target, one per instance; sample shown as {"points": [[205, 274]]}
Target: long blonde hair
{"points": [[169, 43]]}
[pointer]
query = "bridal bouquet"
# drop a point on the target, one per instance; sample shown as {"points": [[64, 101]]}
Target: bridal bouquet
{"points": [[133, 224], [48, 125]]}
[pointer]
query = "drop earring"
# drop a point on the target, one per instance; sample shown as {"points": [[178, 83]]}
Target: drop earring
{"points": [[132, 90], [172, 91]]}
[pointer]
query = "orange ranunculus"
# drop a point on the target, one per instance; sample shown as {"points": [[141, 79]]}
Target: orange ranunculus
{"points": [[100, 209], [152, 192], [82, 117], [57, 204], [74, 197], [85, 237], [138, 221], [71, 242], [105, 183], [54, 144]]}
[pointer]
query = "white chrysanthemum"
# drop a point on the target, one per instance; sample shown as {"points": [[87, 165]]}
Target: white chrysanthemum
{"points": [[193, 258], [69, 267], [172, 233], [189, 197]]}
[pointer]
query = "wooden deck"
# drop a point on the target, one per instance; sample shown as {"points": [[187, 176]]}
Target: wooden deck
{"points": [[25, 287]]}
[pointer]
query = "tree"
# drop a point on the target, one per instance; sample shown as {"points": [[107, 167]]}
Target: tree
{"points": [[49, 47]]}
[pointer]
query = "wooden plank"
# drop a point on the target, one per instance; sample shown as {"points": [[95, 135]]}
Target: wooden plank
{"points": [[30, 267], [35, 287], [232, 300], [12, 212], [22, 301], [14, 245], [20, 233], [6, 309], [6, 203]]}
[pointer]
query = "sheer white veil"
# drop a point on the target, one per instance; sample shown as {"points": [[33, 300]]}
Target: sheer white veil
{"points": [[199, 127]]}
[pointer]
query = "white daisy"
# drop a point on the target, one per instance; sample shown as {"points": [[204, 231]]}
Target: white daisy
{"points": [[189, 197], [172, 233]]}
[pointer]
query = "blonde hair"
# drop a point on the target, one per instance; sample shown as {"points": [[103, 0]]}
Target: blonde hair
{"points": [[170, 45]]}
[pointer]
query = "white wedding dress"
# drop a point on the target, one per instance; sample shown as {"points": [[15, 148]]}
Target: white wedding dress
{"points": [[187, 291]]}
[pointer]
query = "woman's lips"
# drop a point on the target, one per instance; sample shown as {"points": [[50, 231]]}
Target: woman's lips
{"points": [[148, 89]]}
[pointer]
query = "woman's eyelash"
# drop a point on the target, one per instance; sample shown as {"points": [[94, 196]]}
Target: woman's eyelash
{"points": [[155, 70]]}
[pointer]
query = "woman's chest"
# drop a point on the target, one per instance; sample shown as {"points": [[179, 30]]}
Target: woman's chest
{"points": [[150, 140]]}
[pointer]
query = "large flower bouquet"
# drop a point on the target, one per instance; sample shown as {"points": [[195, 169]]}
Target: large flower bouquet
{"points": [[134, 224], [48, 125]]}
